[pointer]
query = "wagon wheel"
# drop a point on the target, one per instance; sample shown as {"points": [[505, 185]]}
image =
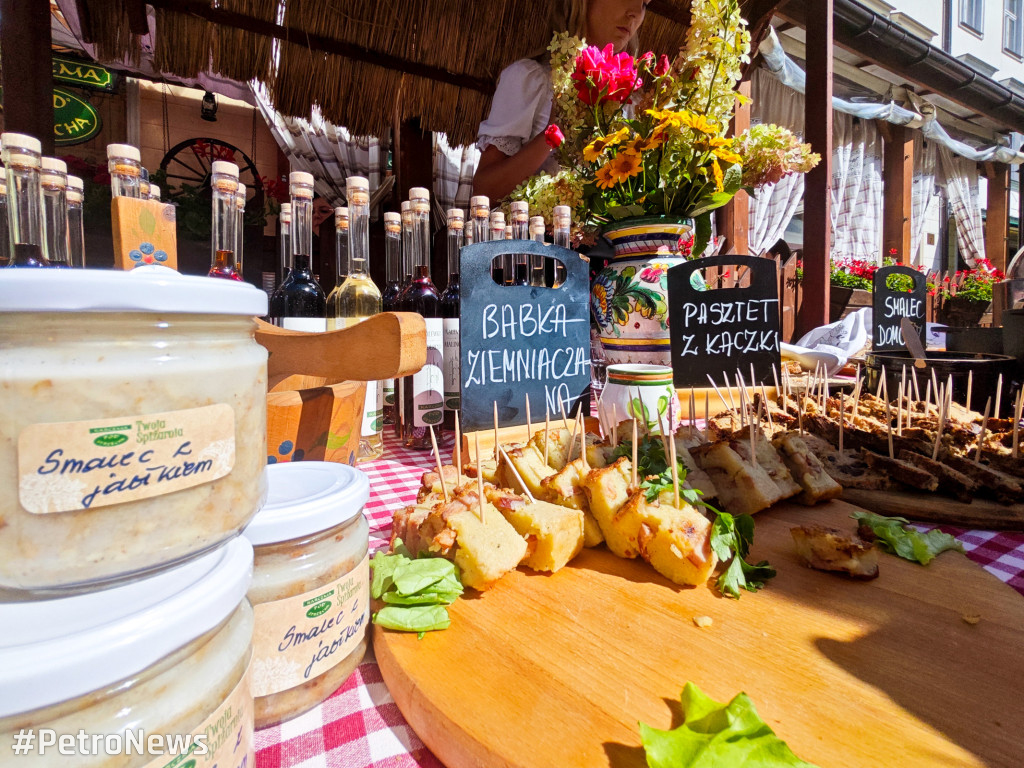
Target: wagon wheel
{"points": [[191, 161]]}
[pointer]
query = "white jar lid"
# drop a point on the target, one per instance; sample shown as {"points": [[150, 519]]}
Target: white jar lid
{"points": [[124, 150], [419, 193], [305, 498], [225, 167], [56, 650], [75, 183], [478, 200], [148, 288], [392, 217], [300, 177], [54, 164], [22, 141], [357, 182]]}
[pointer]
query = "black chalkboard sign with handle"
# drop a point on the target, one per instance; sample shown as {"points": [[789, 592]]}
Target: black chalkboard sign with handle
{"points": [[890, 306], [715, 331], [519, 341]]}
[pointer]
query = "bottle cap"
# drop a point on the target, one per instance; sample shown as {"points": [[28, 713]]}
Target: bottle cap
{"points": [[53, 164], [419, 193], [357, 182], [286, 208], [127, 150], [300, 177], [240, 193], [455, 213], [519, 206], [391, 217], [341, 215], [406, 205], [154, 192], [497, 216], [562, 210], [22, 141], [225, 168], [75, 183], [480, 200]]}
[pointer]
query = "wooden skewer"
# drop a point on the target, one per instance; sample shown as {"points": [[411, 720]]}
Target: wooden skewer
{"points": [[970, 384], [583, 444], [693, 409], [495, 432], [720, 397], [707, 416], [842, 418], [561, 408], [856, 402], [938, 432], [663, 435], [999, 396], [899, 410], [888, 427], [547, 433], [518, 477], [767, 410], [572, 436], [778, 389], [529, 422], [675, 473], [753, 442], [917, 389], [643, 412], [458, 444], [635, 483], [440, 469], [935, 388], [615, 428], [479, 477], [881, 380], [732, 400], [1016, 421], [984, 428], [927, 398]]}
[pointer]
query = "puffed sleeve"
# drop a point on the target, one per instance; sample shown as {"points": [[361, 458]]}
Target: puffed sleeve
{"points": [[520, 108]]}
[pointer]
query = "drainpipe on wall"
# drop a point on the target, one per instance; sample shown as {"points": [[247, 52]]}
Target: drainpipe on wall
{"points": [[947, 25]]}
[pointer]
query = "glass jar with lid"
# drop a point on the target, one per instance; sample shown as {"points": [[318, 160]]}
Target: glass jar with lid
{"points": [[22, 159], [310, 589], [133, 421], [125, 165], [162, 658]]}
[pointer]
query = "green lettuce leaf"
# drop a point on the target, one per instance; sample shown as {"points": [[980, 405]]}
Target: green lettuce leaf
{"points": [[906, 542], [415, 591], [716, 735], [412, 618], [731, 537]]}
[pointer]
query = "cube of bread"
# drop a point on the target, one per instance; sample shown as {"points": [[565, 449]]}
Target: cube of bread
{"points": [[484, 550], [695, 476], [676, 541], [565, 488], [488, 468], [598, 454], [743, 488], [553, 534], [529, 463], [768, 459], [806, 469], [557, 439], [608, 489]]}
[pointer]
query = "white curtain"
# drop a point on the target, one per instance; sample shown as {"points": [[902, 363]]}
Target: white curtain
{"points": [[454, 168], [925, 196], [773, 206], [856, 188], [327, 151], [959, 177]]}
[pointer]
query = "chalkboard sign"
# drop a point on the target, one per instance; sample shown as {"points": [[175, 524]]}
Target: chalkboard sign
{"points": [[522, 340], [716, 331], [890, 306]]}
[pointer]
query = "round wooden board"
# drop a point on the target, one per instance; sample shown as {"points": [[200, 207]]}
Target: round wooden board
{"points": [[557, 670]]}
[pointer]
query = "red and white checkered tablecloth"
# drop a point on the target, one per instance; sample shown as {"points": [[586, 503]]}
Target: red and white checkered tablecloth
{"points": [[360, 726]]}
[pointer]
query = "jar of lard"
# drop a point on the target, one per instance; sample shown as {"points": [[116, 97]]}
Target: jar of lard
{"points": [[310, 588], [135, 675], [132, 422]]}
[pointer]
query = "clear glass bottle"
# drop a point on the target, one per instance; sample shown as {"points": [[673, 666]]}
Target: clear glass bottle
{"points": [[424, 390], [299, 304], [240, 194], [479, 213], [520, 211], [408, 246], [359, 298], [5, 230], [450, 300], [562, 223], [21, 156], [341, 267], [53, 181], [125, 165], [389, 298], [224, 224], [144, 185], [496, 231], [284, 241], [537, 232], [154, 192], [76, 222]]}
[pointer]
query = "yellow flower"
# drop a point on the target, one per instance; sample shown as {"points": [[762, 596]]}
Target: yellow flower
{"points": [[716, 169], [701, 124], [625, 165], [604, 177], [655, 140], [668, 118], [727, 156], [593, 150]]}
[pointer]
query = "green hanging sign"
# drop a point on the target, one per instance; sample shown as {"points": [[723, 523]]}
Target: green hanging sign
{"points": [[85, 74], [74, 119]]}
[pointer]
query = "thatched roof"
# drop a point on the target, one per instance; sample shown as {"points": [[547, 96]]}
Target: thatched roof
{"points": [[363, 63]]}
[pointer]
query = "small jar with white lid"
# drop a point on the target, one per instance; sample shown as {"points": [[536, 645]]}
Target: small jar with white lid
{"points": [[125, 165], [54, 183], [310, 589], [154, 192], [161, 657], [132, 422], [22, 159], [76, 222], [143, 183]]}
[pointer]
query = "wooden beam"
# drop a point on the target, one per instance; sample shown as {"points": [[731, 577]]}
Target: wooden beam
{"points": [[997, 219], [224, 18], [818, 184], [734, 218], [27, 81], [897, 193]]}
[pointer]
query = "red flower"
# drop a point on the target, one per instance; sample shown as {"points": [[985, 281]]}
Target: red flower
{"points": [[553, 136], [662, 67], [685, 244], [652, 274], [604, 76]]}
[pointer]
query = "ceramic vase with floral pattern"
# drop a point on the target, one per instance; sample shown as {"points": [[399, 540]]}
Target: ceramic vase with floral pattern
{"points": [[629, 297]]}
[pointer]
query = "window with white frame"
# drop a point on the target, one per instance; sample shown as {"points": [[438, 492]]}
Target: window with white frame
{"points": [[972, 14], [1013, 29]]}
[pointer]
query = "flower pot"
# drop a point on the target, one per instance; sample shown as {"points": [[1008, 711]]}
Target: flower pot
{"points": [[962, 312], [629, 297], [844, 300], [642, 392]]}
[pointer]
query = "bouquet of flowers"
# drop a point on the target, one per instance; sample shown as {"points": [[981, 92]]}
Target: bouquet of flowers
{"points": [[646, 136]]}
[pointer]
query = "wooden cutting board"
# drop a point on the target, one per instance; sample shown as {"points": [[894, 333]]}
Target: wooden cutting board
{"points": [[556, 670], [933, 508]]}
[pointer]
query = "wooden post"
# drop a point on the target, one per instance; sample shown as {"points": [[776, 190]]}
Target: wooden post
{"points": [[734, 218], [27, 79], [997, 223], [414, 167], [897, 180], [817, 187]]}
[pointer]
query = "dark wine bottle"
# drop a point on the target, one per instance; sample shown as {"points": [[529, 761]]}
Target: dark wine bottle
{"points": [[299, 303], [389, 298], [22, 160], [450, 323]]}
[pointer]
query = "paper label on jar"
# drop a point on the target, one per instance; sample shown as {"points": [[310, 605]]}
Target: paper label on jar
{"points": [[428, 382], [373, 410], [451, 364], [389, 391], [223, 740], [308, 324], [71, 465], [299, 638]]}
